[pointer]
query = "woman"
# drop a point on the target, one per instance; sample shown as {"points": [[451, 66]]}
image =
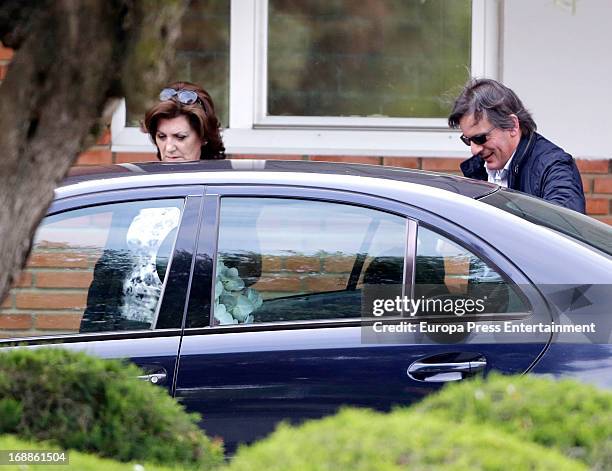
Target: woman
{"points": [[183, 125], [126, 284]]}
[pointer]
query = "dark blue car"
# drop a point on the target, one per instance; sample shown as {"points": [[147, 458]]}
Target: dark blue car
{"points": [[259, 291]]}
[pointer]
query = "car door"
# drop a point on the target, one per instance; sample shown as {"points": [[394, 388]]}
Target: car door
{"points": [[281, 323], [108, 274]]}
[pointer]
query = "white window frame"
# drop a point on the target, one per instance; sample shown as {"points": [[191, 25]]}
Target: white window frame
{"points": [[252, 131]]}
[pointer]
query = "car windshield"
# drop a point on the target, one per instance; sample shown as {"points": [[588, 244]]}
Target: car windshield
{"points": [[570, 223]]}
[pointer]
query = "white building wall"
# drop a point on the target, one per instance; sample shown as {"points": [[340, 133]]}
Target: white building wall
{"points": [[557, 56]]}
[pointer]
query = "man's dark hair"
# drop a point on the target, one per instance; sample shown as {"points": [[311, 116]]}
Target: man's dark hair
{"points": [[494, 101]]}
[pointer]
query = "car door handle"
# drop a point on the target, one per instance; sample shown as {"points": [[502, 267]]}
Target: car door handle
{"points": [[155, 376], [445, 371]]}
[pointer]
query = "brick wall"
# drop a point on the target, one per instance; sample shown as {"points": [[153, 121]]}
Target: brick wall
{"points": [[285, 276], [6, 55], [51, 293]]}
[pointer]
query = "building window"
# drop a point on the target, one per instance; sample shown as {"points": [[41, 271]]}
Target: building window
{"points": [[387, 58], [324, 77], [202, 55]]}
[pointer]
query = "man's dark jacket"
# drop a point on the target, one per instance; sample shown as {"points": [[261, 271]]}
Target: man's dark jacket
{"points": [[539, 168]]}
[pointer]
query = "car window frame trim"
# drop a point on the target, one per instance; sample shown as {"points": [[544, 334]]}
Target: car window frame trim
{"points": [[208, 240]]}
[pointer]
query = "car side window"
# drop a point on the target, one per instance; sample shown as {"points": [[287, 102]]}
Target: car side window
{"points": [[285, 259], [446, 270], [94, 269]]}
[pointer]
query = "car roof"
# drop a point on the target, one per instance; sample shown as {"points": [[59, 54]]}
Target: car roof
{"points": [[460, 185]]}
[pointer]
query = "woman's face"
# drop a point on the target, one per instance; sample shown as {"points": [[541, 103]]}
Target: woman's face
{"points": [[177, 141]]}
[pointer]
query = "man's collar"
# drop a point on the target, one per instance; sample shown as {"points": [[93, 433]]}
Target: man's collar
{"points": [[522, 149]]}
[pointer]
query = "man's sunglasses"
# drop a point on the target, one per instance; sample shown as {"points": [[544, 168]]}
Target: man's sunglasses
{"points": [[478, 139], [186, 97]]}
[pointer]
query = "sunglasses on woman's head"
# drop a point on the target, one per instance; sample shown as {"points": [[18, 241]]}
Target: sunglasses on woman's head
{"points": [[186, 97], [478, 139]]}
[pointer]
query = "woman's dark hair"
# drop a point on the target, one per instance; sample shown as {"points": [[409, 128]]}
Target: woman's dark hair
{"points": [[494, 101], [201, 116]]}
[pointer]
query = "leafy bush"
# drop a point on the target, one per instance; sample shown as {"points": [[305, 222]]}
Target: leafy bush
{"points": [[572, 417], [97, 406], [77, 460], [364, 440]]}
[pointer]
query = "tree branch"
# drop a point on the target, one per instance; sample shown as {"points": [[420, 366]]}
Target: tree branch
{"points": [[69, 63]]}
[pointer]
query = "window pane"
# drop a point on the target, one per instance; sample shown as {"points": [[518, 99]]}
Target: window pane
{"points": [[569, 223], [94, 269], [202, 54], [282, 259], [447, 271], [396, 58]]}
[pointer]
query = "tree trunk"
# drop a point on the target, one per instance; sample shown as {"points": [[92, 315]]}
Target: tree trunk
{"points": [[71, 59]]}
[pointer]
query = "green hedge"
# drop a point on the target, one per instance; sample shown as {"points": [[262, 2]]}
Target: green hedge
{"points": [[359, 440], [572, 417], [76, 460], [97, 406]]}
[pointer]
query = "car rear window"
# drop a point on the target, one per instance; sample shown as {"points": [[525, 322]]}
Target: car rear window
{"points": [[569, 223], [94, 269]]}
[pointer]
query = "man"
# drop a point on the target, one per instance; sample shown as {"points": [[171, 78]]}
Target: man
{"points": [[508, 151]]}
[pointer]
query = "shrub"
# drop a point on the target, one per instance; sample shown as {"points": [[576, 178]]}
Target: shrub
{"points": [[97, 406], [572, 417], [364, 440], [80, 461]]}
